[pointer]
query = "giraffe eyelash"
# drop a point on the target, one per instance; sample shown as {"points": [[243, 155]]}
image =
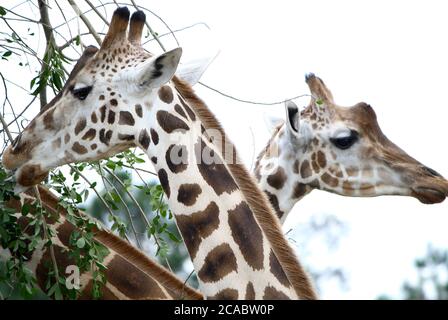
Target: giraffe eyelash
{"points": [[82, 93], [344, 143]]}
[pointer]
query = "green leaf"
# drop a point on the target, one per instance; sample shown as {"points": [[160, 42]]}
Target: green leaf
{"points": [[6, 54], [172, 236], [26, 209], [81, 243], [115, 197], [2, 11]]}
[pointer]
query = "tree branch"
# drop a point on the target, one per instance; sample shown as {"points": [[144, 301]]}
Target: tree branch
{"points": [[49, 37], [85, 20]]}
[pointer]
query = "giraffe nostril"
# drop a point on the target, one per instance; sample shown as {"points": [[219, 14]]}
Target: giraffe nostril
{"points": [[431, 172]]}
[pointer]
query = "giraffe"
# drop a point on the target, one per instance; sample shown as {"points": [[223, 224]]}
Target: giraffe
{"points": [[123, 97], [129, 272], [340, 150]]}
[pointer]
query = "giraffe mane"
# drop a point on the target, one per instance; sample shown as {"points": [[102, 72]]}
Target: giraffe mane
{"points": [[256, 199], [128, 252]]}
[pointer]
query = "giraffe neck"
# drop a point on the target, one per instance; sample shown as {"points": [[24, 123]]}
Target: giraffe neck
{"points": [[216, 204], [129, 274], [278, 174]]}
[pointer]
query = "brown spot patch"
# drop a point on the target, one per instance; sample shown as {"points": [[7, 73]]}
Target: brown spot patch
{"points": [[353, 172], [66, 138], [68, 157], [105, 136], [329, 180], [247, 234], [305, 169], [270, 293], [170, 123], [124, 275], [139, 110], [321, 159], [89, 135], [103, 113], [48, 119], [126, 118], [126, 137], [277, 270], [180, 111], [176, 158], [277, 180], [225, 294], [63, 259], [314, 184], [250, 292], [143, 139], [64, 232], [154, 160], [215, 174], [154, 136], [367, 172], [114, 102], [218, 263], [163, 177], [198, 226], [348, 188], [80, 125], [190, 112], [111, 117], [275, 204], [56, 144], [166, 94], [299, 190], [93, 117], [78, 148], [367, 189], [296, 166], [188, 193], [315, 166]]}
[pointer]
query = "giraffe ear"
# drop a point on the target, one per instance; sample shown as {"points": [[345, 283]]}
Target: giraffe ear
{"points": [[272, 122], [192, 71], [292, 117], [159, 70]]}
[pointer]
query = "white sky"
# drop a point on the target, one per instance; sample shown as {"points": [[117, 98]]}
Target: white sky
{"points": [[391, 54]]}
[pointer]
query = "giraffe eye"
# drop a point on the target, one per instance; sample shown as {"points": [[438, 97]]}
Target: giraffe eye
{"points": [[345, 142], [82, 93]]}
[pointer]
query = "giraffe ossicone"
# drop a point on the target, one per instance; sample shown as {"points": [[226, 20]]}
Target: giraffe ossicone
{"points": [[108, 105], [340, 150]]}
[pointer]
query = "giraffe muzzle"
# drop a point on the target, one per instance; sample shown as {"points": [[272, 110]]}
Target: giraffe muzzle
{"points": [[429, 195]]}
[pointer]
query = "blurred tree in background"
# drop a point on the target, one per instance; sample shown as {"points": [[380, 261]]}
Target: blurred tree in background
{"points": [[431, 279], [173, 253]]}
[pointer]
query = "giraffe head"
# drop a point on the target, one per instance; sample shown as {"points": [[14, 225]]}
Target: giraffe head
{"points": [[341, 150], [97, 113]]}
